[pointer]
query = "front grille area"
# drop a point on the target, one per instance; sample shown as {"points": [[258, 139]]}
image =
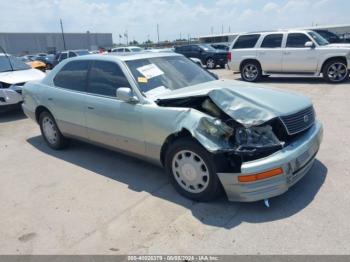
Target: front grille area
{"points": [[299, 121]]}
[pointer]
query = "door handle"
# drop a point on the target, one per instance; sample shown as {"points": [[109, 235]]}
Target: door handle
{"points": [[287, 53], [50, 99], [262, 53], [90, 107]]}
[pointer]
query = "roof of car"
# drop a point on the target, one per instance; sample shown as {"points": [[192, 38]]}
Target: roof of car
{"points": [[277, 31], [126, 56]]}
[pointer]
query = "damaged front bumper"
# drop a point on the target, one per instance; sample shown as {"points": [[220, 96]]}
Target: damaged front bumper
{"points": [[295, 160], [10, 98]]}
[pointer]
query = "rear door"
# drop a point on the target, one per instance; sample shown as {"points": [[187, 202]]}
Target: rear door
{"points": [[184, 50], [66, 100], [110, 121], [296, 57], [270, 53], [243, 48], [195, 51]]}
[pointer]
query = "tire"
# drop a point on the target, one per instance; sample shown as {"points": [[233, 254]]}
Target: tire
{"points": [[48, 67], [210, 63], [251, 71], [222, 66], [50, 132], [195, 167], [335, 71]]}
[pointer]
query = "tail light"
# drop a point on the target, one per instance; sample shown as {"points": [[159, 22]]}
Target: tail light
{"points": [[229, 57]]}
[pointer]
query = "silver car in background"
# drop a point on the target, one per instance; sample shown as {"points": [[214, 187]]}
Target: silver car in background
{"points": [[210, 135]]}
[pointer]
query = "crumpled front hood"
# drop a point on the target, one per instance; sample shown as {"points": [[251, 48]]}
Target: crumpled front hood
{"points": [[247, 103], [20, 76]]}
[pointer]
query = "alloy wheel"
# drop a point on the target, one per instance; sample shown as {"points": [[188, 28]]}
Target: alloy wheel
{"points": [[337, 72], [250, 72], [210, 63]]}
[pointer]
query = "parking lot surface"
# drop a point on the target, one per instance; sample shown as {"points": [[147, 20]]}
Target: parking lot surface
{"points": [[89, 200]]}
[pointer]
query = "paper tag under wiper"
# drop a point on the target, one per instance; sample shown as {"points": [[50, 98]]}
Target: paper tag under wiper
{"points": [[150, 71]]}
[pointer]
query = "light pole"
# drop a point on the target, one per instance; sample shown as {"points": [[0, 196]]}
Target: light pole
{"points": [[64, 40], [158, 33]]}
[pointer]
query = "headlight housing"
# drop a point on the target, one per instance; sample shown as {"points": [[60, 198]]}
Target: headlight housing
{"points": [[215, 127], [253, 137]]}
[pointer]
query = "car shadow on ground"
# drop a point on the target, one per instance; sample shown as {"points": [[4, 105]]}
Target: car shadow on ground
{"points": [[12, 115], [142, 176]]}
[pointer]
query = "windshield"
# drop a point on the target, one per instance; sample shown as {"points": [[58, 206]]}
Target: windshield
{"points": [[207, 47], [136, 49], [319, 39], [163, 74], [82, 52], [16, 63], [329, 36]]}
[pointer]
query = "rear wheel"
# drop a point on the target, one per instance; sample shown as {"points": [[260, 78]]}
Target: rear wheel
{"points": [[251, 71], [335, 71], [191, 170], [50, 131]]}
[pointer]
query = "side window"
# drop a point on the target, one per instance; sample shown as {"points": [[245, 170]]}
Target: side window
{"points": [[297, 40], [105, 78], [184, 48], [272, 41], [63, 56], [73, 76], [195, 48], [127, 50], [246, 41], [72, 54]]}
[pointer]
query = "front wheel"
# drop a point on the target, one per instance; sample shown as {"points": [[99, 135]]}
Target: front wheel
{"points": [[335, 71], [50, 131], [251, 71], [210, 63], [191, 170]]}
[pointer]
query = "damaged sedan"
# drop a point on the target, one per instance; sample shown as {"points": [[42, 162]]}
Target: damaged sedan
{"points": [[211, 136]]}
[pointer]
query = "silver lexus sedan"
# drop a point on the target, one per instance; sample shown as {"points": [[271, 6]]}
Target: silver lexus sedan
{"points": [[211, 136]]}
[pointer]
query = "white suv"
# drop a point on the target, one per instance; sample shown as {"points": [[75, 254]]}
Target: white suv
{"points": [[301, 52]]}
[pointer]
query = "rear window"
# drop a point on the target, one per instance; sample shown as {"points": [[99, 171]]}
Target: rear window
{"points": [[246, 41], [272, 41], [73, 76]]}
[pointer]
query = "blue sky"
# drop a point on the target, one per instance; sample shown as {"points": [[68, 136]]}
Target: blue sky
{"points": [[175, 17]]}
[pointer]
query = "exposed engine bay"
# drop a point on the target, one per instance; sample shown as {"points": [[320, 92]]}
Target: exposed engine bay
{"points": [[248, 143]]}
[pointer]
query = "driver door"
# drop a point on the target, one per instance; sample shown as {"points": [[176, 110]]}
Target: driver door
{"points": [[296, 57], [112, 122]]}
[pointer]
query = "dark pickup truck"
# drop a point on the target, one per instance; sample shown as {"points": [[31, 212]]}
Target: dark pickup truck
{"points": [[209, 56]]}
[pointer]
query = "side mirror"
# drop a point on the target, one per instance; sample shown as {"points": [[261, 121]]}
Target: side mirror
{"points": [[309, 44], [125, 94]]}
